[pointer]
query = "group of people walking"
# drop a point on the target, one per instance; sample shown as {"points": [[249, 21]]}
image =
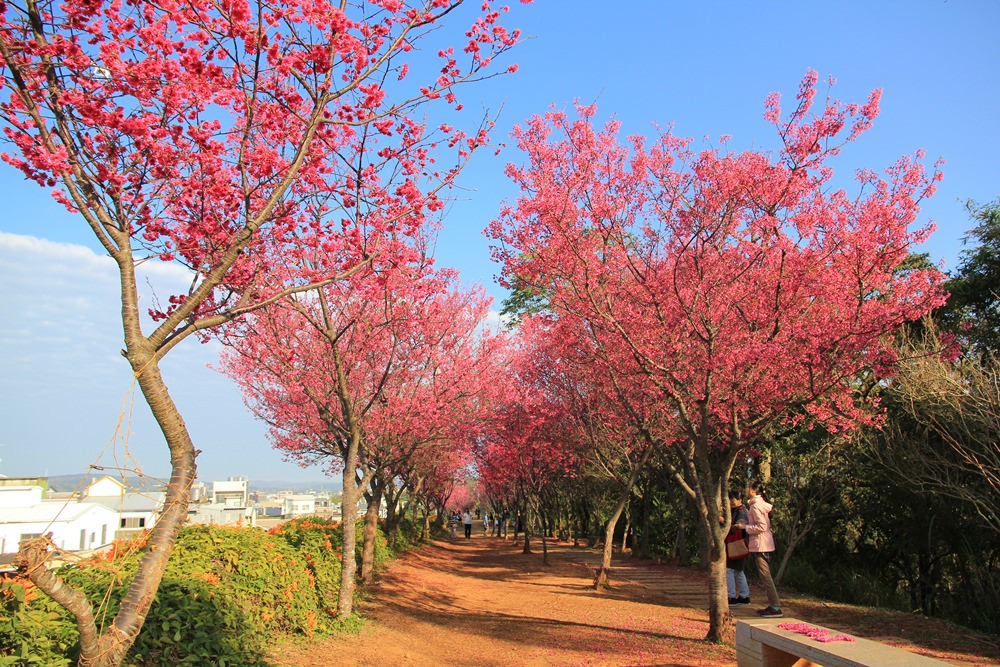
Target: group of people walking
{"points": [[750, 540], [463, 518]]}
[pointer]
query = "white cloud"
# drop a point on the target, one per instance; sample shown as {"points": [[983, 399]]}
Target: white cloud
{"points": [[492, 324], [64, 388]]}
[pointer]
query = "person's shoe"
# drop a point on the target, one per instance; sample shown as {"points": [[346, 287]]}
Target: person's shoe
{"points": [[742, 601], [770, 612], [733, 601]]}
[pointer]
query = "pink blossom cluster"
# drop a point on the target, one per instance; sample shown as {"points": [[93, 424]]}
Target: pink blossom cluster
{"points": [[691, 274], [815, 633]]}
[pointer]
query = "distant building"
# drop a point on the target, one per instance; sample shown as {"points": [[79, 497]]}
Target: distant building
{"points": [[137, 511], [324, 505], [230, 505], [199, 494], [220, 515], [299, 505], [269, 511], [234, 492], [25, 481]]}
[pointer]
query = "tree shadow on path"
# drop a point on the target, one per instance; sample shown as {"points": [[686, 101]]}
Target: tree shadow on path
{"points": [[482, 602]]}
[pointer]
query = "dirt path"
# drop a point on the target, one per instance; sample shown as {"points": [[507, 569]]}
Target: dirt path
{"points": [[481, 602]]}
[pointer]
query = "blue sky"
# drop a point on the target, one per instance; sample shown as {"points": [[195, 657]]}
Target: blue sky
{"points": [[705, 67]]}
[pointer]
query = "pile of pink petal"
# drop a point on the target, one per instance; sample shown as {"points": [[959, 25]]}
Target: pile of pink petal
{"points": [[818, 634]]}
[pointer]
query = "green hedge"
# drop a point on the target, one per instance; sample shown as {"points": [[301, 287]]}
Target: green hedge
{"points": [[227, 594]]}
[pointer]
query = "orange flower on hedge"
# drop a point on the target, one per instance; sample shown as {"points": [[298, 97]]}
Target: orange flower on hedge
{"points": [[207, 577]]}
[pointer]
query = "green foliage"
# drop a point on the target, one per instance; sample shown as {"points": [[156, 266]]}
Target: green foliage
{"points": [[227, 595], [406, 535], [524, 300], [31, 631], [881, 540], [973, 310], [841, 581], [319, 540]]}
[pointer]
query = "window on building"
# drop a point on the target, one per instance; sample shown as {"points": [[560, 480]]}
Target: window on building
{"points": [[133, 522], [83, 539]]}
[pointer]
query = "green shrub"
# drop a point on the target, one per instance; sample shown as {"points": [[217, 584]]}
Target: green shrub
{"points": [[320, 542], [227, 594], [32, 628]]}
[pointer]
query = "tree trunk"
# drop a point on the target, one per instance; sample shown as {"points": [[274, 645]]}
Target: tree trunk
{"points": [[523, 520], [795, 536], [545, 546], [425, 530], [628, 525], [349, 529], [392, 516], [582, 512], [642, 546], [720, 618], [353, 487], [679, 551], [708, 475], [109, 649], [371, 533], [704, 539], [601, 578], [596, 524]]}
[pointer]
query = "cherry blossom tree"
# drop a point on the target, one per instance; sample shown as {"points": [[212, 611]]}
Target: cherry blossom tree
{"points": [[229, 138], [348, 373], [531, 442], [742, 288], [431, 405]]}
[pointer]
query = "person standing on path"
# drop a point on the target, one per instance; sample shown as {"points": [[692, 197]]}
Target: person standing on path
{"points": [[467, 522], [736, 578], [758, 526]]}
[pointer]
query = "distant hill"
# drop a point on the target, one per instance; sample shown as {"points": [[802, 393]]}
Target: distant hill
{"points": [[78, 482], [271, 486]]}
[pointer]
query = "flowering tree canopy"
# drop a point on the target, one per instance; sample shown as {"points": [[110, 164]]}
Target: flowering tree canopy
{"points": [[368, 376], [741, 288]]}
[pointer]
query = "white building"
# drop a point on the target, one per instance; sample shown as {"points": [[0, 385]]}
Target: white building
{"points": [[299, 505], [137, 511], [230, 505], [234, 492], [220, 515], [74, 526]]}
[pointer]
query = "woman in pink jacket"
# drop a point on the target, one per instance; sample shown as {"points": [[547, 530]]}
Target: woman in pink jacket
{"points": [[762, 545]]}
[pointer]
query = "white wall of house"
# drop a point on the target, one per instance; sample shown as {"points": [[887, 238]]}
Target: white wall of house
{"points": [[74, 526], [137, 511], [104, 487], [20, 496], [299, 505]]}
